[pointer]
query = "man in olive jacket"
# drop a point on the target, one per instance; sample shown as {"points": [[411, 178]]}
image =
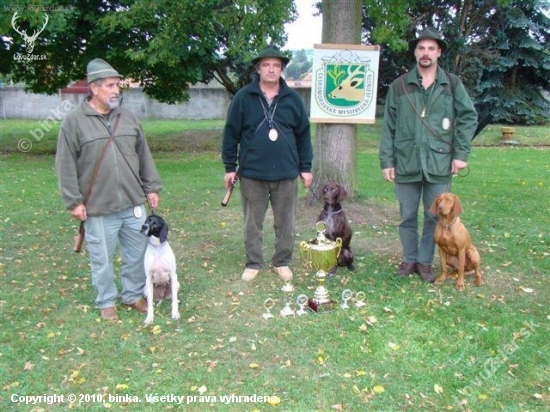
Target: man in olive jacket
{"points": [[113, 209], [429, 123]]}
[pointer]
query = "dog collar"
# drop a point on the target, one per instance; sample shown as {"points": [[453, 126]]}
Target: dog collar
{"points": [[448, 226]]}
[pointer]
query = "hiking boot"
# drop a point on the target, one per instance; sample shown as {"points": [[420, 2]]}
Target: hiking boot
{"points": [[109, 313], [249, 274], [284, 272], [426, 272], [140, 305], [406, 269]]}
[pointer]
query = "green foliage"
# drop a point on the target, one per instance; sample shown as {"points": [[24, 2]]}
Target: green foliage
{"points": [[413, 346], [516, 64], [162, 44], [498, 48], [299, 66]]}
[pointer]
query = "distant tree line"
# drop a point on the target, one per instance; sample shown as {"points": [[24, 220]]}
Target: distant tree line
{"points": [[499, 48]]}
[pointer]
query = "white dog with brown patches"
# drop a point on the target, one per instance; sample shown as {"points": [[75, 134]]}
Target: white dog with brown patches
{"points": [[161, 280]]}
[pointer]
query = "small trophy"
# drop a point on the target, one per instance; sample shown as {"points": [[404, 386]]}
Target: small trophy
{"points": [[288, 289], [320, 254], [360, 299], [346, 296], [268, 304], [301, 301]]}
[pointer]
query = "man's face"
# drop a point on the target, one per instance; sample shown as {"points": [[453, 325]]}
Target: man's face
{"points": [[427, 52], [106, 92], [270, 70]]}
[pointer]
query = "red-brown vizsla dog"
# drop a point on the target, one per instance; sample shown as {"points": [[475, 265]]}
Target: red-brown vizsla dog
{"points": [[454, 242]]}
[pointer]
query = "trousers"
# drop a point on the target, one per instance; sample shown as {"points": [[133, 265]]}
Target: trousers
{"points": [[417, 248], [103, 233], [256, 196]]}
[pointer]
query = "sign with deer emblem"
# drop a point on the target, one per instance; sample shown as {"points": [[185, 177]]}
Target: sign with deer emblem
{"points": [[344, 84]]}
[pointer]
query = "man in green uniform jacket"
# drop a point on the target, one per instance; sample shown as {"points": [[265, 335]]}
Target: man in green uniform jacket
{"points": [[429, 124]]}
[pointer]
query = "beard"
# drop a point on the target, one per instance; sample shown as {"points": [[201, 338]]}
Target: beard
{"points": [[113, 103]]}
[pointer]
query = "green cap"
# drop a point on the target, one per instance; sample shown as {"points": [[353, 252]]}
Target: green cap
{"points": [[271, 52], [100, 69], [429, 33]]}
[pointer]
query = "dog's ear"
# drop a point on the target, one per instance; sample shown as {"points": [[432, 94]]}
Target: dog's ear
{"points": [[342, 193], [433, 207], [457, 206], [163, 233]]}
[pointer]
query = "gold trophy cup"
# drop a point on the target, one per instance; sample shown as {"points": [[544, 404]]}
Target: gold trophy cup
{"points": [[320, 254]]}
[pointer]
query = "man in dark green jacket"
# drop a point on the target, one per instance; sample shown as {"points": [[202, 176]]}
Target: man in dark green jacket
{"points": [[429, 123], [267, 134]]}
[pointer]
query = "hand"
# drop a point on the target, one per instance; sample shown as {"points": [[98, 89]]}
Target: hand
{"points": [[306, 178], [153, 199], [389, 174], [457, 166], [79, 212], [229, 178]]}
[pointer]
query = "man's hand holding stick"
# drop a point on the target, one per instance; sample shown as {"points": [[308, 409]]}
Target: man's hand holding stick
{"points": [[229, 180]]}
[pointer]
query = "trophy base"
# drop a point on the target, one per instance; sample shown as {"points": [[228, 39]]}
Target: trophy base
{"points": [[320, 306]]}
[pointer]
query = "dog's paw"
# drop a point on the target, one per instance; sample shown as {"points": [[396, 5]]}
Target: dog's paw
{"points": [[149, 319], [460, 287], [175, 315]]}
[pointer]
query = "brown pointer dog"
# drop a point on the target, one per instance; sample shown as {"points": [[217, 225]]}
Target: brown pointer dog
{"points": [[453, 240], [337, 223]]}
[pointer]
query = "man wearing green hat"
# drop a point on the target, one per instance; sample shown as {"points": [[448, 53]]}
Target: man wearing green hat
{"points": [[429, 123], [267, 136], [104, 183]]}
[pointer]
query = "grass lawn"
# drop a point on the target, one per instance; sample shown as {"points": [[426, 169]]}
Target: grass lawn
{"points": [[412, 347]]}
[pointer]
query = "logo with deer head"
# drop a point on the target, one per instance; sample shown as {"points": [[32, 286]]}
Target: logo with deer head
{"points": [[345, 84], [29, 40]]}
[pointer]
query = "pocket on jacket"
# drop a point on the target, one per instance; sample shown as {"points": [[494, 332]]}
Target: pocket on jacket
{"points": [[440, 157], [406, 158]]}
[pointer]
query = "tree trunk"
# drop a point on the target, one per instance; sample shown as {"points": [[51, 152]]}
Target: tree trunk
{"points": [[335, 147]]}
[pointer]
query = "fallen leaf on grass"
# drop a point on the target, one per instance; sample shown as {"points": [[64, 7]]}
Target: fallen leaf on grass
{"points": [[527, 290], [393, 346], [121, 387], [378, 389], [202, 389], [156, 330], [274, 400], [28, 366], [371, 320], [253, 366], [438, 389]]}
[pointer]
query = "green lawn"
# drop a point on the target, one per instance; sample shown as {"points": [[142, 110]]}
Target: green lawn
{"points": [[412, 347]]}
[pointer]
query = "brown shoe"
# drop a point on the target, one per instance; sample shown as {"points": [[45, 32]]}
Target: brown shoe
{"points": [[406, 269], [426, 272], [140, 305], [109, 313]]}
